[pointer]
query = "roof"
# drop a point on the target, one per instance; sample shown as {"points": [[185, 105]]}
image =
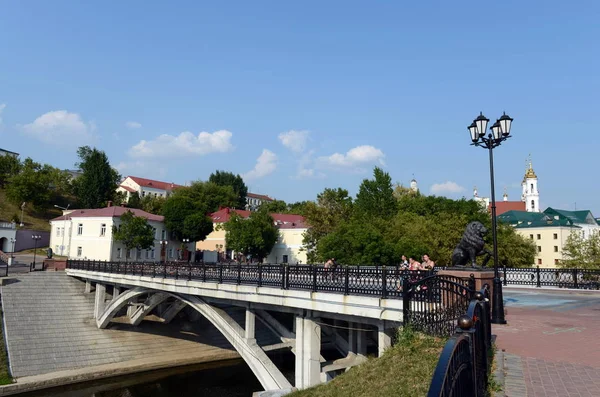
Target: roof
{"points": [[129, 189], [582, 216], [8, 151], [284, 221], [109, 212], [524, 219], [154, 184], [259, 196], [505, 206]]}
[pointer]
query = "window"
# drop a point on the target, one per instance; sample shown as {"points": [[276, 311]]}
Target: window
{"points": [[532, 205], [103, 230], [556, 248], [153, 253], [556, 261], [532, 188], [162, 234], [119, 253], [139, 254], [147, 254], [285, 259], [170, 252], [80, 229], [58, 231], [539, 236], [539, 248], [539, 261], [143, 194], [79, 251], [154, 232], [555, 236], [531, 236]]}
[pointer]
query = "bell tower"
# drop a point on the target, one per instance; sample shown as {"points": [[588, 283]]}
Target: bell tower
{"points": [[531, 194]]}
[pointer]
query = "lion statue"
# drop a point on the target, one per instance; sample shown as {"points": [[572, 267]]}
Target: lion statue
{"points": [[471, 245]]}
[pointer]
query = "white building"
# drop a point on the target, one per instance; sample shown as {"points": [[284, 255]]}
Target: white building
{"points": [[530, 195], [87, 234], [4, 152], [254, 201], [146, 187]]}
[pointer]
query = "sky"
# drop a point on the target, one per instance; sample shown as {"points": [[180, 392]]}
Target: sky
{"points": [[300, 96]]}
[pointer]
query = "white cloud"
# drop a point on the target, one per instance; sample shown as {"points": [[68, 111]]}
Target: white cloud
{"points": [[447, 187], [184, 144], [2, 106], [265, 165], [294, 140], [61, 128], [133, 125], [356, 157], [138, 168]]}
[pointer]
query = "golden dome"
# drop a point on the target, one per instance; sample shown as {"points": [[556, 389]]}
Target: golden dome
{"points": [[530, 174]]}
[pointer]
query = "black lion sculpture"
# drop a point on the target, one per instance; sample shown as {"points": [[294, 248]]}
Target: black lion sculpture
{"points": [[471, 245]]}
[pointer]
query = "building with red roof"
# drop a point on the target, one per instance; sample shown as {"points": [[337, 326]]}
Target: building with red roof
{"points": [[286, 250], [254, 201], [87, 234], [146, 187]]}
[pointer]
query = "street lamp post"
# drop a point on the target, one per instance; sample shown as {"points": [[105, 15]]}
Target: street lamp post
{"points": [[35, 238], [12, 250], [163, 248], [185, 242], [500, 131], [62, 246]]}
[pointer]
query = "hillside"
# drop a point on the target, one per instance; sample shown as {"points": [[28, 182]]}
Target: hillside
{"points": [[404, 370], [31, 219]]}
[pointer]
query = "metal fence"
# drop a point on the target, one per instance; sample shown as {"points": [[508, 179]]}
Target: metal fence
{"points": [[465, 362], [546, 277], [381, 281]]}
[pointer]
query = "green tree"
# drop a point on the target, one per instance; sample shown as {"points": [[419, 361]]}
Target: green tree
{"points": [[376, 196], [274, 207], [514, 250], [224, 178], [298, 208], [254, 236], [197, 226], [134, 232], [581, 253], [9, 167], [134, 200], [207, 196], [333, 206], [98, 183], [185, 220], [33, 184], [153, 204]]}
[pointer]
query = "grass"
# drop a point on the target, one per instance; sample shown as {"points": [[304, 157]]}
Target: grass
{"points": [[405, 369], [493, 384], [37, 220], [5, 378]]}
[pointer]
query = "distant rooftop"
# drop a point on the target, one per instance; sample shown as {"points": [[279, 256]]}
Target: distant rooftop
{"points": [[4, 151], [259, 196], [144, 182]]}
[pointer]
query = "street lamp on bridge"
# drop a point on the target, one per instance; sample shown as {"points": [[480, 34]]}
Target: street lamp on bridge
{"points": [[35, 238], [499, 132], [163, 248]]}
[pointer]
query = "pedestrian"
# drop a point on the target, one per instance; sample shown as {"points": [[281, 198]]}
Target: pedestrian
{"points": [[427, 264]]}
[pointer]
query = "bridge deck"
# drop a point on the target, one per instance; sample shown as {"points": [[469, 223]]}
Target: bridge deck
{"points": [[49, 327]]}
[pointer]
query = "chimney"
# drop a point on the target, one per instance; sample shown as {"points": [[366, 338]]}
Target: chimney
{"points": [[227, 210], [109, 204]]}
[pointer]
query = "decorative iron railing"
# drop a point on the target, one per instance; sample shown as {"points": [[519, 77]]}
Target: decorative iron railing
{"points": [[546, 277], [465, 362], [381, 281], [433, 304]]}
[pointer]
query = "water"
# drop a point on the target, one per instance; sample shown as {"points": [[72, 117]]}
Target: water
{"points": [[231, 378]]}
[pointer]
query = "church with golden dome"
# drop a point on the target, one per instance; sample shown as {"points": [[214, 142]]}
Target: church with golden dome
{"points": [[531, 194]]}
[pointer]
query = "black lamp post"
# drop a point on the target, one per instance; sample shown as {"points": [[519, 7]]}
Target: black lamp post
{"points": [[500, 131], [163, 248], [184, 248], [35, 238]]}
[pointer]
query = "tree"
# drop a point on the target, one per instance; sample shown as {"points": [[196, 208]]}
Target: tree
{"points": [[581, 253], [35, 183], [9, 167], [332, 207], [134, 200], [153, 204], [184, 219], [224, 178], [514, 250], [376, 196], [197, 226], [98, 183], [134, 232], [254, 236], [275, 206], [207, 196], [298, 208]]}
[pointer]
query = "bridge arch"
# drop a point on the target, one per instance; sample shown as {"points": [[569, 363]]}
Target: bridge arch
{"points": [[261, 365]]}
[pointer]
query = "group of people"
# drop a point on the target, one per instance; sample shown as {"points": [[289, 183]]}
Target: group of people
{"points": [[411, 264]]}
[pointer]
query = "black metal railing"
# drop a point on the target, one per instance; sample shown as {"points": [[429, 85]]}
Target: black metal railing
{"points": [[433, 304], [547, 277], [381, 281], [464, 365]]}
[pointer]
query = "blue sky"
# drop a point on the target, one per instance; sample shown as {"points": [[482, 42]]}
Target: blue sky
{"points": [[299, 96]]}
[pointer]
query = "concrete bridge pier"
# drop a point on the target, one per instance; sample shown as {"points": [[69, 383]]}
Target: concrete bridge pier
{"points": [[308, 352], [384, 337], [100, 303]]}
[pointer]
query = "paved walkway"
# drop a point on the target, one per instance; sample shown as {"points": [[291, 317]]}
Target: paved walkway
{"points": [[551, 343]]}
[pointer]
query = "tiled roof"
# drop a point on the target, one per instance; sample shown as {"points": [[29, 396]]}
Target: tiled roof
{"points": [[259, 196], [524, 219], [109, 212], [581, 216], [505, 206], [284, 221], [129, 189], [154, 184]]}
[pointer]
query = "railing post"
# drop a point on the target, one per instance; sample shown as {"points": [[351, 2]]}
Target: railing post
{"points": [[260, 275], [405, 300], [239, 275], [154, 270], [383, 282], [505, 280], [576, 285], [537, 272], [118, 267], [221, 273], [282, 272], [314, 278], [190, 271], [287, 276], [165, 270], [346, 280], [203, 271]]}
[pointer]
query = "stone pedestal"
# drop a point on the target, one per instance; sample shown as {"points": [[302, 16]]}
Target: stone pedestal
{"points": [[482, 277]]}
